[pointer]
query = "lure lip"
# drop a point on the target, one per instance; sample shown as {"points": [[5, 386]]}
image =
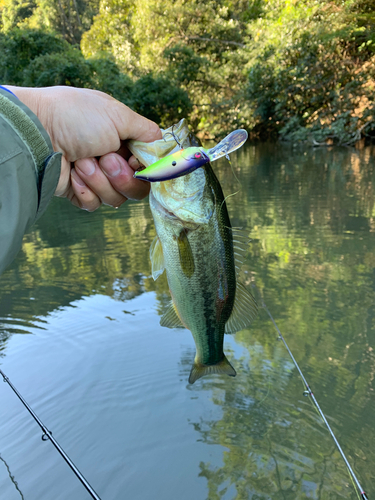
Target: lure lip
{"points": [[230, 143]]}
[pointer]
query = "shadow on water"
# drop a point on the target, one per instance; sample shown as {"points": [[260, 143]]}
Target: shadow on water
{"points": [[311, 218], [11, 477]]}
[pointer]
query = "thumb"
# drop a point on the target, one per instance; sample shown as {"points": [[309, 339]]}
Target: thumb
{"points": [[131, 125]]}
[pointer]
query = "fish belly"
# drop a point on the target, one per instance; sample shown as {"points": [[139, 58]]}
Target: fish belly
{"points": [[202, 300]]}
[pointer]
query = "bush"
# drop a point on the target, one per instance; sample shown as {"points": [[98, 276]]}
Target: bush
{"points": [[19, 47], [160, 99], [37, 59], [106, 76], [69, 68], [316, 83]]}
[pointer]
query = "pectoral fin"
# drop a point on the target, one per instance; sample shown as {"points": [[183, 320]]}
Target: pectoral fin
{"points": [[244, 310], [200, 370], [157, 258], [170, 318]]}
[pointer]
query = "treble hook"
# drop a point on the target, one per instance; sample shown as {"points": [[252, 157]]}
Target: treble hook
{"points": [[174, 137]]}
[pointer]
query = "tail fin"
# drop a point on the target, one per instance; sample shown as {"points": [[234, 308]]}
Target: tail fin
{"points": [[200, 370]]}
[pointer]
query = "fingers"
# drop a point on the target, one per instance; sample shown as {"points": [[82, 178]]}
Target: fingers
{"points": [[134, 163], [89, 171], [120, 175], [109, 180], [81, 195]]}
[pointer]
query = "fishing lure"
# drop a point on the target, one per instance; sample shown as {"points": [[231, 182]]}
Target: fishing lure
{"points": [[187, 160]]}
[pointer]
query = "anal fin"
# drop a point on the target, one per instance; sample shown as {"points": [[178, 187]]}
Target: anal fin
{"points": [[170, 318]]}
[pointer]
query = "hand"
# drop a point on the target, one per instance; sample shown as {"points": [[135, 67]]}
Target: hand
{"points": [[88, 127]]}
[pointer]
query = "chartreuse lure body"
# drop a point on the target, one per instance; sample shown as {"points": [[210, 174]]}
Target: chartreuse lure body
{"points": [[179, 163], [187, 160]]}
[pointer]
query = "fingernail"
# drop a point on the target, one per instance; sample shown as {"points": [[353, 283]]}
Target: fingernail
{"points": [[87, 166], [77, 178], [111, 165]]}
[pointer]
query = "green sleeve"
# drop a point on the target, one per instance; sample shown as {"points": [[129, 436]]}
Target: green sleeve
{"points": [[29, 173]]}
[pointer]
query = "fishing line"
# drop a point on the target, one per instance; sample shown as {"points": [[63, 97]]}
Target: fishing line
{"points": [[231, 167], [229, 195], [47, 435], [308, 392]]}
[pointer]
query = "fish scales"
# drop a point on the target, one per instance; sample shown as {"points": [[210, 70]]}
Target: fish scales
{"points": [[218, 277]]}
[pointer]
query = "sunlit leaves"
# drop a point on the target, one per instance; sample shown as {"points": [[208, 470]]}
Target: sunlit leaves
{"points": [[306, 80]]}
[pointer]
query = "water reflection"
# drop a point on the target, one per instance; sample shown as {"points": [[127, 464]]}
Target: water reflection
{"points": [[310, 214], [275, 445]]}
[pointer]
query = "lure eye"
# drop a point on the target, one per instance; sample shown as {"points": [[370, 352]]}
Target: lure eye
{"points": [[174, 163], [198, 155]]}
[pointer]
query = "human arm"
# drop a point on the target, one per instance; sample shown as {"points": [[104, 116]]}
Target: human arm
{"points": [[85, 127], [89, 128]]}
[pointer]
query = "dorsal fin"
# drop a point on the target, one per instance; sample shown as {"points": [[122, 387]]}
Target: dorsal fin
{"points": [[244, 310], [170, 318], [157, 258]]}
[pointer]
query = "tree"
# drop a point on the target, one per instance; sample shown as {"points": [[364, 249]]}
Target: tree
{"points": [[311, 70], [160, 100], [70, 18], [20, 47], [200, 46]]}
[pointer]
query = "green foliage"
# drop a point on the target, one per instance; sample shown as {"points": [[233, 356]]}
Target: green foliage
{"points": [[298, 70], [184, 64], [199, 45], [69, 68], [159, 99], [314, 80], [110, 34], [68, 17], [20, 47], [37, 59], [107, 77], [15, 11]]}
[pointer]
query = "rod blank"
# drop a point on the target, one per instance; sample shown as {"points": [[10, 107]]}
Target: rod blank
{"points": [[310, 393], [47, 435]]}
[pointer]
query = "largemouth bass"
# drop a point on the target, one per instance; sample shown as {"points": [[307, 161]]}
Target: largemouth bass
{"points": [[201, 254]]}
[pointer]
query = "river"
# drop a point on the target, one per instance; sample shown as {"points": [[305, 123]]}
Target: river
{"points": [[80, 339]]}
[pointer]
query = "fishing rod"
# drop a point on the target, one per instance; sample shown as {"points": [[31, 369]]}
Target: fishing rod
{"points": [[308, 392], [48, 436]]}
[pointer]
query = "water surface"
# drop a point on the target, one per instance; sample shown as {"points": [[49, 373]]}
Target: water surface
{"points": [[80, 339]]}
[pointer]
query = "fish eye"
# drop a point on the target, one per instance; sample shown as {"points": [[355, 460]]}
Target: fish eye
{"points": [[174, 163], [197, 155]]}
